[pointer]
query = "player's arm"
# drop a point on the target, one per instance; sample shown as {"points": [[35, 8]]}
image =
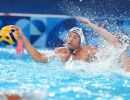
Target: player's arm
{"points": [[36, 55], [104, 33]]}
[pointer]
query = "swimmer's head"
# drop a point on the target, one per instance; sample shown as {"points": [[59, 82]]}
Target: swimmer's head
{"points": [[123, 39], [75, 38], [78, 31]]}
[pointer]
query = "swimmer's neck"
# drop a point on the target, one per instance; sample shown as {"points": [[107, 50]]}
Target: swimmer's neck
{"points": [[75, 51]]}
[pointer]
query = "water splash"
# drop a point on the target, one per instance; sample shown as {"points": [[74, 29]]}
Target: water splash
{"points": [[54, 80], [107, 60]]}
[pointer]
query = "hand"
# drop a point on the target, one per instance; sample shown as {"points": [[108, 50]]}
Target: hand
{"points": [[19, 31], [83, 20]]}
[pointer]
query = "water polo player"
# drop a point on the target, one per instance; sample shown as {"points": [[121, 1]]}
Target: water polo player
{"points": [[119, 40], [73, 48]]}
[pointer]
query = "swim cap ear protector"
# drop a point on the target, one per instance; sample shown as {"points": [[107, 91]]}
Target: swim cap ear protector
{"points": [[123, 39], [79, 31]]}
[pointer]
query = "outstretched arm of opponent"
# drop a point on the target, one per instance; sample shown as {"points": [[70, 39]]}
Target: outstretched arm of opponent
{"points": [[104, 33]]}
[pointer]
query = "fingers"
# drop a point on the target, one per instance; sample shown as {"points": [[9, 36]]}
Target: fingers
{"points": [[19, 31], [79, 18], [16, 28], [83, 20]]}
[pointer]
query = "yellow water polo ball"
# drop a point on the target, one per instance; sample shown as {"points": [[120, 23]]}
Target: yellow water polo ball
{"points": [[8, 35]]}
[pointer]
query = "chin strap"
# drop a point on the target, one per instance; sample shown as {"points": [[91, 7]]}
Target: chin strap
{"points": [[73, 51]]}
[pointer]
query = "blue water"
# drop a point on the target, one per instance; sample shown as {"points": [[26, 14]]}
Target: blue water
{"points": [[20, 74]]}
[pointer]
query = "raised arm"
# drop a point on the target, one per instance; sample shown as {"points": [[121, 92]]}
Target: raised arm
{"points": [[37, 56], [104, 33]]}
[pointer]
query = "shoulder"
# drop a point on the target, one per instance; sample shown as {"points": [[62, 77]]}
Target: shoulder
{"points": [[89, 48], [60, 49]]}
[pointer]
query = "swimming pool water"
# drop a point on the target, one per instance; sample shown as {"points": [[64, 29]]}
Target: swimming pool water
{"points": [[20, 74]]}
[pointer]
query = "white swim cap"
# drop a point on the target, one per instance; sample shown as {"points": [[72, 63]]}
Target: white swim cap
{"points": [[79, 31]]}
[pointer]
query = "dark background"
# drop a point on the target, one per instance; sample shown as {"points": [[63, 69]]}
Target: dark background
{"points": [[101, 8]]}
